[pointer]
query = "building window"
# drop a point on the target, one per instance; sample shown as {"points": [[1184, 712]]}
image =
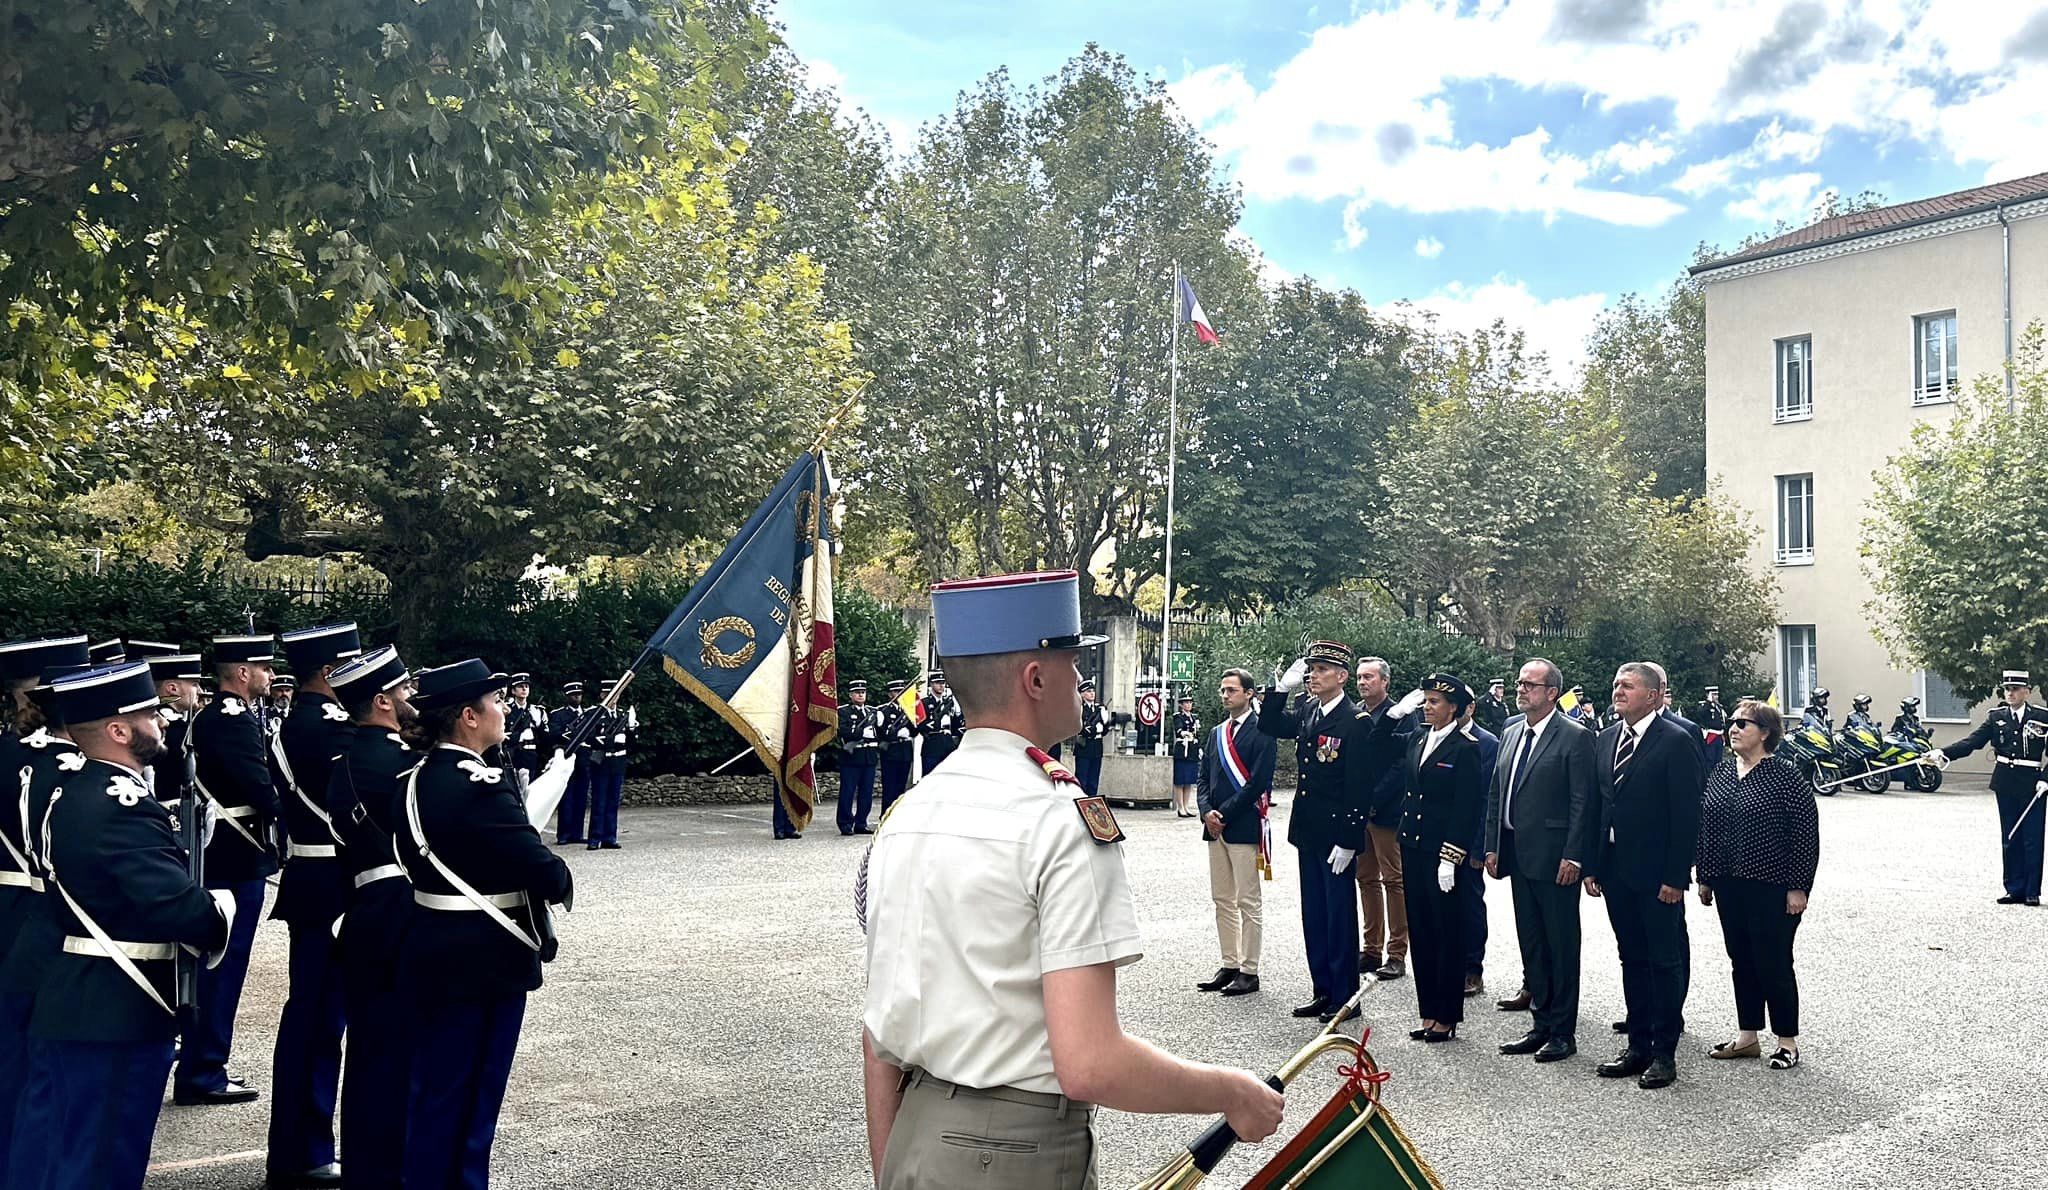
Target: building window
{"points": [[1798, 664], [1795, 380], [1939, 702], [1934, 358], [1795, 520]]}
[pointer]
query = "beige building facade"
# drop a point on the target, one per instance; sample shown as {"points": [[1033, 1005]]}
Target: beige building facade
{"points": [[1824, 348]]}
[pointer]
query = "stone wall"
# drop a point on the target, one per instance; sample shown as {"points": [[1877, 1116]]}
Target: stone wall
{"points": [[721, 790]]}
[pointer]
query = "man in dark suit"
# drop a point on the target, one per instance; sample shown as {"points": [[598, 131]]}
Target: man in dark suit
{"points": [[1650, 784], [1541, 826], [1231, 795], [1327, 823]]}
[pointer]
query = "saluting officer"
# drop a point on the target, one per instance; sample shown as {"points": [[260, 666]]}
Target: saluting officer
{"points": [[362, 795], [231, 752], [2018, 733], [1088, 740], [860, 750], [482, 879], [1187, 756], [1333, 795], [311, 894], [997, 911], [27, 743], [562, 724], [608, 780], [126, 909], [899, 747], [943, 722]]}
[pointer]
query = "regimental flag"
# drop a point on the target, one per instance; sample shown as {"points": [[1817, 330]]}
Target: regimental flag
{"points": [[912, 702], [1191, 312], [753, 638]]}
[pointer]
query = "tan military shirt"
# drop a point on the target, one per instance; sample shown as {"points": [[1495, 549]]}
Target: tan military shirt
{"points": [[984, 878]]}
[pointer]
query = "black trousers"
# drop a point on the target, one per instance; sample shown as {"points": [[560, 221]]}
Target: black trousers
{"points": [[1655, 957], [1436, 936], [1759, 935], [1547, 929]]}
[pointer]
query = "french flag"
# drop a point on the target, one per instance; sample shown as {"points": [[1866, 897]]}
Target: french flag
{"points": [[1191, 312]]}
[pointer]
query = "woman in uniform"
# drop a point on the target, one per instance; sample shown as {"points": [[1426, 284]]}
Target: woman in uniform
{"points": [[1443, 811], [1187, 757]]}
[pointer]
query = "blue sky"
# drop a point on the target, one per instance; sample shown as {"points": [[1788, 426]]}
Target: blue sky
{"points": [[1527, 159]]}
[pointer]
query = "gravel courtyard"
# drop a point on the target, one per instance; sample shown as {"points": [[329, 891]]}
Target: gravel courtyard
{"points": [[699, 1028]]}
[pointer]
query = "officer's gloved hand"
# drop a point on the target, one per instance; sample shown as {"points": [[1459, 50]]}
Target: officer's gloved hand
{"points": [[224, 903], [1340, 859], [2040, 788], [1292, 680], [1446, 875], [1407, 706], [1939, 758], [545, 791]]}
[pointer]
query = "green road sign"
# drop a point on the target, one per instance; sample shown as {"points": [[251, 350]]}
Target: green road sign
{"points": [[1180, 666]]}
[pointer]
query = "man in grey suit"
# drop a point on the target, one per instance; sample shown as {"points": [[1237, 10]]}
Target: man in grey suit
{"points": [[1541, 825]]}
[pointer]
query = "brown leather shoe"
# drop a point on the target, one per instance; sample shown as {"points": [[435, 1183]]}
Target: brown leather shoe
{"points": [[1474, 985], [1519, 1002]]}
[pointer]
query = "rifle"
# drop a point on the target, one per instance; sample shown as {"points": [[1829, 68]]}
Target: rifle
{"points": [[189, 833]]}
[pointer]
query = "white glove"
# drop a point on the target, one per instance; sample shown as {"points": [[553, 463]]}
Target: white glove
{"points": [[1446, 875], [545, 791], [224, 901], [2040, 788], [1291, 681], [1340, 859], [1939, 758], [1407, 706]]}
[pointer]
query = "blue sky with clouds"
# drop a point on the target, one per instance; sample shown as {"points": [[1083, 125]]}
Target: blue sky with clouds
{"points": [[1532, 159]]}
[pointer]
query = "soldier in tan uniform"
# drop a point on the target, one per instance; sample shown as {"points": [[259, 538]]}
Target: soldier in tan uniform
{"points": [[998, 911]]}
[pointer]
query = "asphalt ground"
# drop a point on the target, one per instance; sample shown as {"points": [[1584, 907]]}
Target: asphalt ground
{"points": [[699, 1028]]}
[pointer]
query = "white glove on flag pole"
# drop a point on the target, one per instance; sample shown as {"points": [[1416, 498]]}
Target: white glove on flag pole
{"points": [[545, 791]]}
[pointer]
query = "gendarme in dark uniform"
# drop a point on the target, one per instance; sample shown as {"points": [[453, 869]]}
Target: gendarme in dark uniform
{"points": [[1333, 792], [860, 753], [1088, 741], [231, 751], [943, 724], [126, 912], [1491, 709], [899, 745], [363, 792], [311, 895], [2018, 733], [526, 725], [563, 723]]}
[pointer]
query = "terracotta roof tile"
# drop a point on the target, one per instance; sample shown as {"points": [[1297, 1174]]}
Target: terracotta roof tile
{"points": [[1864, 223]]}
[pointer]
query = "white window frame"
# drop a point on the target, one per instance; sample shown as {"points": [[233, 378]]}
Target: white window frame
{"points": [[1791, 555], [1927, 714], [1951, 377], [1792, 699], [1783, 410]]}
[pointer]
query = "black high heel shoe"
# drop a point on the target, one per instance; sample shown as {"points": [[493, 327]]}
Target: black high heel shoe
{"points": [[1446, 1035], [1418, 1034]]}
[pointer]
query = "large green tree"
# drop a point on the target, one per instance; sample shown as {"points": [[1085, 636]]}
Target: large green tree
{"points": [[1279, 480], [1954, 543], [1646, 371]]}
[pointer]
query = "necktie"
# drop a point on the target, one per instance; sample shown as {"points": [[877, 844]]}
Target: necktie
{"points": [[1315, 720], [1230, 732], [1625, 749], [1515, 773]]}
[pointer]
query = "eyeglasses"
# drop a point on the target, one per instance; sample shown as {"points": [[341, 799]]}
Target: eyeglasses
{"points": [[1520, 685], [1734, 723]]}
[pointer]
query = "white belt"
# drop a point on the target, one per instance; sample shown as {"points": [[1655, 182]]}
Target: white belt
{"points": [[73, 944], [312, 850], [234, 811], [2019, 764], [380, 872], [510, 900], [21, 880]]}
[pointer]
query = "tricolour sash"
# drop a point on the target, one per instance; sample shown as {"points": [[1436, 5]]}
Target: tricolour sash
{"points": [[1237, 775]]}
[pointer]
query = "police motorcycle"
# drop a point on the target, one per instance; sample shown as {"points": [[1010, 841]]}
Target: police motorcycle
{"points": [[1862, 746], [1907, 741], [1811, 747]]}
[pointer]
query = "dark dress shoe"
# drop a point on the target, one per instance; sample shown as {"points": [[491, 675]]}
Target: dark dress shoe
{"points": [[1626, 1064], [1392, 969], [1527, 1043], [2010, 900], [613, 847], [1435, 1035], [234, 1092], [1217, 983], [1243, 985], [1557, 1049], [1417, 1034], [1519, 1002], [1315, 1007], [788, 835], [322, 1175], [1327, 1017], [592, 846], [1368, 963], [1621, 1026], [846, 830], [863, 830], [1659, 1073], [2034, 902]]}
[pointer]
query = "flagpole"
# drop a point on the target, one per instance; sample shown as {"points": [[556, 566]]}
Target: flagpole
{"points": [[1172, 423]]}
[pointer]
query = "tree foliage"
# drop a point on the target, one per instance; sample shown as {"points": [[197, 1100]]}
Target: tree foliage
{"points": [[1955, 546], [1646, 371]]}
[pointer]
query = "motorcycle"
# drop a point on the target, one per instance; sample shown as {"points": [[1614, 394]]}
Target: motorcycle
{"points": [[1811, 749], [1908, 742], [1863, 748]]}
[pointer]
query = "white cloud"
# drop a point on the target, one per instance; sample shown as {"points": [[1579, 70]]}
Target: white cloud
{"points": [[1636, 156], [1355, 230], [1790, 198], [1429, 247], [824, 76], [1555, 326]]}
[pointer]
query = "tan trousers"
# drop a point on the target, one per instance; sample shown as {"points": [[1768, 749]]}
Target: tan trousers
{"points": [[1379, 890], [1234, 886], [948, 1137]]}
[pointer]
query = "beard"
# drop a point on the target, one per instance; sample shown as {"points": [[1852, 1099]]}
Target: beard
{"points": [[148, 749]]}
